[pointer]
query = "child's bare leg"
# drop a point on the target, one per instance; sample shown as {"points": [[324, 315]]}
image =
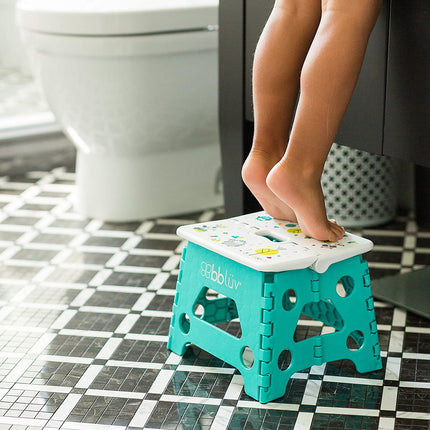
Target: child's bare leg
{"points": [[328, 79], [279, 57]]}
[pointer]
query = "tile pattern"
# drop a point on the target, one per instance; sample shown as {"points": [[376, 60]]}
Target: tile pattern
{"points": [[84, 319]]}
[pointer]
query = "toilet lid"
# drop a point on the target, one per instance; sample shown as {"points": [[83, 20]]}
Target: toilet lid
{"points": [[115, 17]]}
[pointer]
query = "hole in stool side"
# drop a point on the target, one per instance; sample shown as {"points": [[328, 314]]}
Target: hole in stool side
{"points": [[289, 299], [345, 286], [184, 323], [218, 310], [284, 360], [324, 312], [199, 310], [355, 340], [247, 357]]}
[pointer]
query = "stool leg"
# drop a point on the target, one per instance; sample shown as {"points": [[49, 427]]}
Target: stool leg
{"points": [[190, 293], [178, 324], [280, 316], [242, 298], [367, 357], [352, 317], [357, 337]]}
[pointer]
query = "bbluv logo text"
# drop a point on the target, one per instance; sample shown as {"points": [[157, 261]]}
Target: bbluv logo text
{"points": [[208, 271]]}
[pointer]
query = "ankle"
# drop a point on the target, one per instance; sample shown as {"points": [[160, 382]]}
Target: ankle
{"points": [[302, 169], [269, 148], [256, 167]]}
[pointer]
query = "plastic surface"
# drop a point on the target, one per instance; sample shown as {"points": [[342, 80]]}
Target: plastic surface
{"points": [[269, 306], [113, 97], [269, 245], [115, 197], [114, 17]]}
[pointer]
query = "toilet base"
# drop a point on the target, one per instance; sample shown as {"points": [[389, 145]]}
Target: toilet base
{"points": [[121, 189]]}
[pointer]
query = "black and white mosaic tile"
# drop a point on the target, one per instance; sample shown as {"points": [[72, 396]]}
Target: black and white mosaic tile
{"points": [[84, 320]]}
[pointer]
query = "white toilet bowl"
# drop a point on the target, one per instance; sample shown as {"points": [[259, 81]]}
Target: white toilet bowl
{"points": [[133, 83]]}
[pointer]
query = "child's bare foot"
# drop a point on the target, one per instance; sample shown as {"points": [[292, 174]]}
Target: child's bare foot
{"points": [[254, 174], [303, 193]]}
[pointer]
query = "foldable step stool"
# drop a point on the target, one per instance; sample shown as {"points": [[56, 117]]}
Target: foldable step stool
{"points": [[269, 274]]}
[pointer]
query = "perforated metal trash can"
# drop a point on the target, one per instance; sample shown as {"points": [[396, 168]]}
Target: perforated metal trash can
{"points": [[359, 188]]}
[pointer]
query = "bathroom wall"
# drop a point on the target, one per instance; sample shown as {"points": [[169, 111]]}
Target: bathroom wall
{"points": [[26, 123], [29, 136], [12, 52]]}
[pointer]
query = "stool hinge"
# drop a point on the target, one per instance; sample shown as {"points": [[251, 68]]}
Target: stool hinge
{"points": [[366, 280], [267, 298], [265, 342], [318, 351], [315, 288], [315, 285], [264, 381], [266, 329], [376, 350], [265, 357], [268, 287], [267, 303], [373, 327]]}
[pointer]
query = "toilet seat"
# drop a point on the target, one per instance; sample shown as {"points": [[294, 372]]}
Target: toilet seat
{"points": [[116, 17]]}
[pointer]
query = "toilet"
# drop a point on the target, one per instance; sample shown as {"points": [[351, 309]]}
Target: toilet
{"points": [[133, 84]]}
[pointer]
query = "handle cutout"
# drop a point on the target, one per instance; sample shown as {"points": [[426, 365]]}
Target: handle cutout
{"points": [[268, 235]]}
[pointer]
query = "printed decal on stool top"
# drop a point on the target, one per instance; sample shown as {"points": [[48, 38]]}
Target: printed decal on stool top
{"points": [[266, 244]]}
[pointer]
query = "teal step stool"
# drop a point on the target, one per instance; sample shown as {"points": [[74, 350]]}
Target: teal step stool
{"points": [[267, 273]]}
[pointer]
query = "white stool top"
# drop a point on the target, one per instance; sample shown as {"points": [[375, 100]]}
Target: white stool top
{"points": [[267, 244]]}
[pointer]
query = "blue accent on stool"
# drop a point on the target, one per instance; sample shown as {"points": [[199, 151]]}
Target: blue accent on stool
{"points": [[268, 316]]}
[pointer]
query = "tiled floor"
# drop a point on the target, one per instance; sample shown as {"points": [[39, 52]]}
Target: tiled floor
{"points": [[84, 319]]}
